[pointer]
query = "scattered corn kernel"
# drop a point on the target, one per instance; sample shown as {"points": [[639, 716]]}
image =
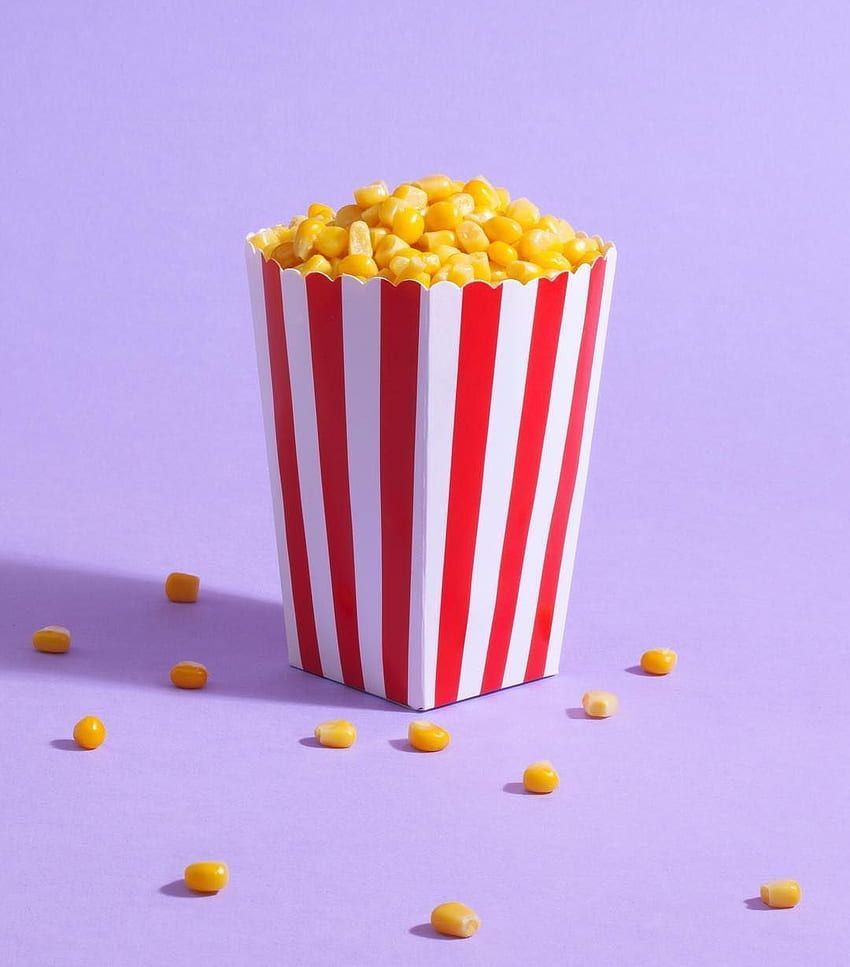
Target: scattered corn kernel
{"points": [[182, 588], [541, 777], [89, 732], [455, 919], [52, 639], [658, 661], [599, 705], [336, 734], [781, 894], [189, 674], [206, 877], [427, 736], [371, 194]]}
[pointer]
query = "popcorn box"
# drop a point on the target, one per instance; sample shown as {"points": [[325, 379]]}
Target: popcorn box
{"points": [[428, 452]]}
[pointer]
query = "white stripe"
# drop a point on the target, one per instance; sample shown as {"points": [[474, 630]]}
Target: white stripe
{"points": [[516, 319], [254, 261], [416, 634], [559, 614], [309, 469], [443, 342], [554, 439], [361, 333]]}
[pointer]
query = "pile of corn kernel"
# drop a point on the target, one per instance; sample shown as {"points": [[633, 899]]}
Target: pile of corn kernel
{"points": [[431, 230]]}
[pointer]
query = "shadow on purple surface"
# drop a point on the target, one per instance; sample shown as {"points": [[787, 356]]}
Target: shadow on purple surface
{"points": [[578, 713], [67, 745], [178, 888], [637, 670], [756, 903], [429, 933], [404, 746], [515, 789], [125, 631], [311, 742]]}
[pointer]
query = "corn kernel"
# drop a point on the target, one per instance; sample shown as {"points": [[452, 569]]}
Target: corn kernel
{"points": [[360, 265], [781, 894], [89, 732], [461, 273], [497, 275], [484, 194], [414, 196], [598, 241], [52, 640], [408, 224], [576, 249], [541, 777], [387, 274], [523, 271], [599, 705], [500, 228], [411, 274], [524, 212], [501, 253], [371, 216], [445, 252], [188, 674], [471, 237], [443, 215], [316, 263], [431, 240], [359, 239], [658, 661], [182, 588], [480, 217], [285, 255], [388, 247], [464, 203], [535, 241], [317, 210], [336, 734], [388, 209], [270, 238], [436, 187], [480, 266], [376, 234], [206, 877], [347, 214], [504, 199], [455, 919], [295, 221], [332, 241], [306, 235], [371, 194], [427, 736], [430, 262], [552, 262]]}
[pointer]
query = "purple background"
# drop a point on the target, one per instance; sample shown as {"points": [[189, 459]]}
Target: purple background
{"points": [[140, 145]]}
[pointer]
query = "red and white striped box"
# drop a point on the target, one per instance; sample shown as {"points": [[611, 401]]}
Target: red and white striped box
{"points": [[428, 451]]}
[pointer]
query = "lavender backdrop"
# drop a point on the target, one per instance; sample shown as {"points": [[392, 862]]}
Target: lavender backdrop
{"points": [[140, 143]]}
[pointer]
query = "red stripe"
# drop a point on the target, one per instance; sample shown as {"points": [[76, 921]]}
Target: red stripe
{"points": [[324, 305], [546, 329], [296, 541], [539, 647], [399, 370], [479, 330]]}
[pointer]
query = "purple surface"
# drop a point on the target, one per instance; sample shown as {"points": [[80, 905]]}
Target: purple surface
{"points": [[141, 144]]}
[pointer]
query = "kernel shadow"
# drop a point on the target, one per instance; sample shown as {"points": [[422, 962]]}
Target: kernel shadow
{"points": [[637, 670], [311, 742], [515, 789], [402, 745], [577, 713], [429, 933], [178, 888], [756, 903], [67, 745], [125, 632]]}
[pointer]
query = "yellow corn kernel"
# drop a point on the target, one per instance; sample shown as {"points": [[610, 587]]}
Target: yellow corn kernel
{"points": [[336, 734], [414, 196], [446, 252], [89, 732], [371, 194], [524, 212], [658, 661], [480, 217], [318, 210], [431, 240], [582, 235], [460, 258], [464, 203], [206, 877], [552, 262], [52, 640], [497, 276], [443, 215], [480, 266], [399, 263], [430, 262], [412, 275], [461, 273], [455, 919], [316, 263], [523, 271], [388, 247], [457, 185], [535, 241], [182, 588], [188, 674], [599, 241], [576, 249], [285, 255], [441, 275], [427, 736], [781, 894], [599, 705], [305, 237], [295, 221], [332, 241], [436, 187], [389, 207], [362, 266], [484, 194], [376, 234], [359, 239], [371, 216], [504, 199], [387, 274], [541, 777], [347, 214], [471, 237], [501, 253], [561, 229], [500, 228], [269, 238], [408, 224]]}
